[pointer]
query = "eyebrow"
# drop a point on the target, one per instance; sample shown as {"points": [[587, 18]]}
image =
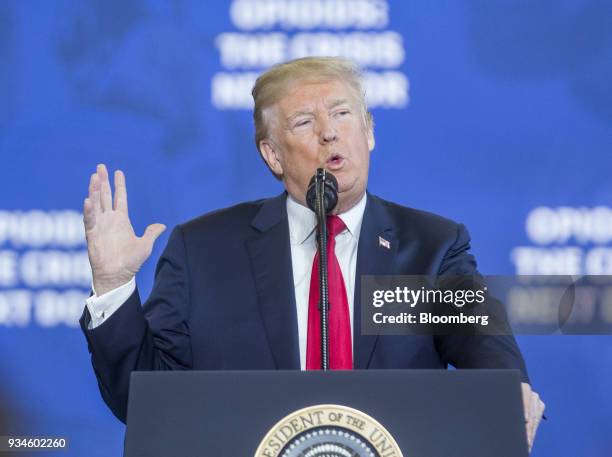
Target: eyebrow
{"points": [[337, 102]]}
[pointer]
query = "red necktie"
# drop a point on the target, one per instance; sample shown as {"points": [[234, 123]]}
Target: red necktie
{"points": [[340, 345]]}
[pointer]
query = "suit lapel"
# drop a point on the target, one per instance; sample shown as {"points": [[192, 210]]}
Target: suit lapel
{"points": [[270, 254], [376, 254]]}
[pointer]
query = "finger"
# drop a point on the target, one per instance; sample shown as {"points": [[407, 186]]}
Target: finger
{"points": [[94, 186], [120, 203], [105, 190], [92, 182], [94, 193], [537, 414], [531, 431], [529, 446], [537, 420], [152, 232], [536, 410], [528, 431], [526, 394], [89, 215], [534, 423], [532, 416]]}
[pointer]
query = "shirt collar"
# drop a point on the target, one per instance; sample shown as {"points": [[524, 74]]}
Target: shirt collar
{"points": [[302, 221]]}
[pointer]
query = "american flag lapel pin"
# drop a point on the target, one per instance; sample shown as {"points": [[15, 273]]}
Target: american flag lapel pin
{"points": [[384, 243]]}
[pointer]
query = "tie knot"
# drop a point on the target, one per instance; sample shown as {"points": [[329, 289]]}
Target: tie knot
{"points": [[334, 226]]}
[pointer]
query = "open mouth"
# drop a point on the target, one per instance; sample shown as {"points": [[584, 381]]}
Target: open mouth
{"points": [[335, 162]]}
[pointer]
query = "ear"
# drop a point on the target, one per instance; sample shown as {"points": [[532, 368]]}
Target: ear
{"points": [[269, 152], [370, 132]]}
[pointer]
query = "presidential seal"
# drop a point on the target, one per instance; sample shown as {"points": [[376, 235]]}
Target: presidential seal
{"points": [[328, 431]]}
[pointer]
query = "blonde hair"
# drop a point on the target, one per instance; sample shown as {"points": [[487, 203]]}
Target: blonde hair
{"points": [[274, 84]]}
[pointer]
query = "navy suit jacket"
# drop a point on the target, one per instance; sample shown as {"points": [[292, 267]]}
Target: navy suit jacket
{"points": [[223, 299]]}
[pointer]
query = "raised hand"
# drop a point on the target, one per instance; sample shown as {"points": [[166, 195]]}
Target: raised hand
{"points": [[115, 252]]}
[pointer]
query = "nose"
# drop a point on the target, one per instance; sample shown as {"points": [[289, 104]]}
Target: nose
{"points": [[328, 133]]}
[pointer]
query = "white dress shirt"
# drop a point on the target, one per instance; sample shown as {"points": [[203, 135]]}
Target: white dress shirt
{"points": [[302, 238]]}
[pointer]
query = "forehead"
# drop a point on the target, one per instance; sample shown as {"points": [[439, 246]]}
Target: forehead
{"points": [[307, 96]]}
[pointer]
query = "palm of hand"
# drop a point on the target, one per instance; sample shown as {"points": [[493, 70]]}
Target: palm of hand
{"points": [[115, 252]]}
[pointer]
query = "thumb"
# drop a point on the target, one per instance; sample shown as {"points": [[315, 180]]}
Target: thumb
{"points": [[152, 232]]}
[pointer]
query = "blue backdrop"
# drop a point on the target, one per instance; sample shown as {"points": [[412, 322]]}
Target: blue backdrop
{"points": [[495, 113]]}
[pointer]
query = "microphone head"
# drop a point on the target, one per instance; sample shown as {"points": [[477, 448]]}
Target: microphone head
{"points": [[330, 190]]}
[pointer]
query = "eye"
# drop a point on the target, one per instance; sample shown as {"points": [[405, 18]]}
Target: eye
{"points": [[342, 112], [301, 123]]}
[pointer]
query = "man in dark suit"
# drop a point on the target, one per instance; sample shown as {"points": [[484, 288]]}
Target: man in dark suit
{"points": [[234, 288]]}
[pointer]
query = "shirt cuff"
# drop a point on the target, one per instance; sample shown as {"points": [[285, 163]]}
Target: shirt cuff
{"points": [[102, 307]]}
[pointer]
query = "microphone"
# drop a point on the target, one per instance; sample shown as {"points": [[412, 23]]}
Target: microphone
{"points": [[322, 197], [330, 191]]}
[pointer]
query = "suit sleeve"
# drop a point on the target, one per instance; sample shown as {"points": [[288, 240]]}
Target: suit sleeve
{"points": [[475, 351], [150, 337]]}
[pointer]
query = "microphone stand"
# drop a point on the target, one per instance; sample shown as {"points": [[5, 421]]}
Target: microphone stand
{"points": [[322, 197], [323, 284]]}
